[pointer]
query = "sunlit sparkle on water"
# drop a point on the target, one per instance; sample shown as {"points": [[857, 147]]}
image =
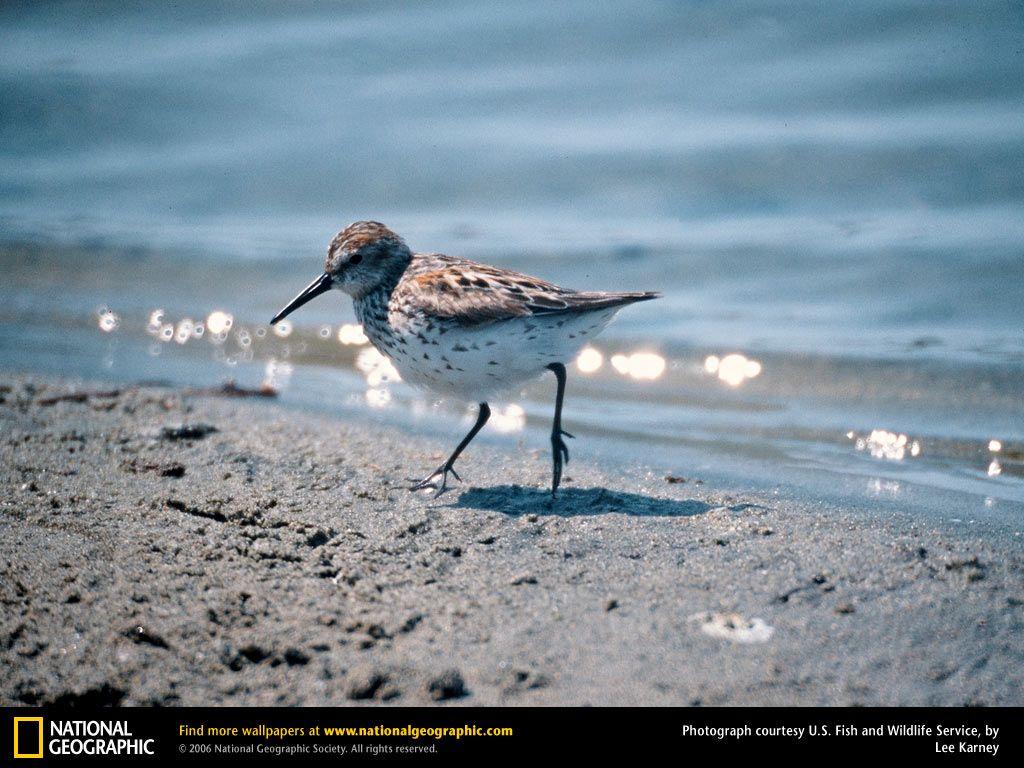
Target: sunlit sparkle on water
{"points": [[589, 360], [640, 365], [378, 397], [877, 487], [511, 418], [379, 372], [219, 321], [277, 374], [351, 334], [186, 328], [733, 369], [883, 444], [108, 321]]}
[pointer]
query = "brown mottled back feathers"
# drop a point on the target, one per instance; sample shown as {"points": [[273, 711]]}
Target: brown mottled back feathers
{"points": [[468, 293]]}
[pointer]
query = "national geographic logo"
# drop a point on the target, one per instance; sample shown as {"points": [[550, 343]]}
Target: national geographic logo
{"points": [[28, 737], [77, 737]]}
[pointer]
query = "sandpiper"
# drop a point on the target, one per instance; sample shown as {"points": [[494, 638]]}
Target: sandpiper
{"points": [[460, 328]]}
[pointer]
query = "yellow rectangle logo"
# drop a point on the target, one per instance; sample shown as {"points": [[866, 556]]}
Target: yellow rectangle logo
{"points": [[37, 744]]}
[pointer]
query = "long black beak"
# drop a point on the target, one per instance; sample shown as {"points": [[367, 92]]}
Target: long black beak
{"points": [[321, 285]]}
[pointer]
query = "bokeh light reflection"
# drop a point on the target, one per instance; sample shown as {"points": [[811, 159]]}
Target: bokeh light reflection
{"points": [[640, 365], [733, 369], [589, 360], [511, 418], [351, 334], [219, 322], [108, 321], [883, 444]]}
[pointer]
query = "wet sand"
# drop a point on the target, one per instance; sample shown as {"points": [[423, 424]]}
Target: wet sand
{"points": [[163, 547]]}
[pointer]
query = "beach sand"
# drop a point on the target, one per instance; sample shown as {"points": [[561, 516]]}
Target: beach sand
{"points": [[158, 547]]}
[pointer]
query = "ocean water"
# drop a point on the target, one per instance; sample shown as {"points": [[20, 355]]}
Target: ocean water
{"points": [[830, 196]]}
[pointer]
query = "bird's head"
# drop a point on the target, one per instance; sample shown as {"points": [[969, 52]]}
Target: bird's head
{"points": [[362, 257]]}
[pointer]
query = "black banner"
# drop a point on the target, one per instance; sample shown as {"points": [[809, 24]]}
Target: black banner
{"points": [[193, 735]]}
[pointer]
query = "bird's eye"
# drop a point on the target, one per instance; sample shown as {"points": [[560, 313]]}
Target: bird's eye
{"points": [[355, 259]]}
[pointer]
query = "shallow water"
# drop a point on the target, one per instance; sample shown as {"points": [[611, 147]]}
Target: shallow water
{"points": [[837, 195]]}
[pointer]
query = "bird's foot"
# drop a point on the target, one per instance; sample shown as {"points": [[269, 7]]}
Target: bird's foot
{"points": [[428, 481], [559, 457]]}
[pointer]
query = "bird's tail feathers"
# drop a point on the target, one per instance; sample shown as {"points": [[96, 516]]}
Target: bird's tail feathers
{"points": [[586, 301]]}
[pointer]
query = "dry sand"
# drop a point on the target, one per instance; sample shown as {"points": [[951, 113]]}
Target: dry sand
{"points": [[265, 556]]}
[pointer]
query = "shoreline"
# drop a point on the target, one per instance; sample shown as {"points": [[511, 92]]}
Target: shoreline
{"points": [[816, 419], [278, 559]]}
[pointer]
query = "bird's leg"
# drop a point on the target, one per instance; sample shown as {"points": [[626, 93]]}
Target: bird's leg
{"points": [[449, 465], [559, 450]]}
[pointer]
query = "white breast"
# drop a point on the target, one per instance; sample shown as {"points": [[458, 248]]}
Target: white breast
{"points": [[477, 363]]}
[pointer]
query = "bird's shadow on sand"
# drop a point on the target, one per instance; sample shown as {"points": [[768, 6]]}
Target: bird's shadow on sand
{"points": [[575, 502]]}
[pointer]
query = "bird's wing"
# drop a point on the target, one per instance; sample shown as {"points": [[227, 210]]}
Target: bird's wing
{"points": [[474, 294]]}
